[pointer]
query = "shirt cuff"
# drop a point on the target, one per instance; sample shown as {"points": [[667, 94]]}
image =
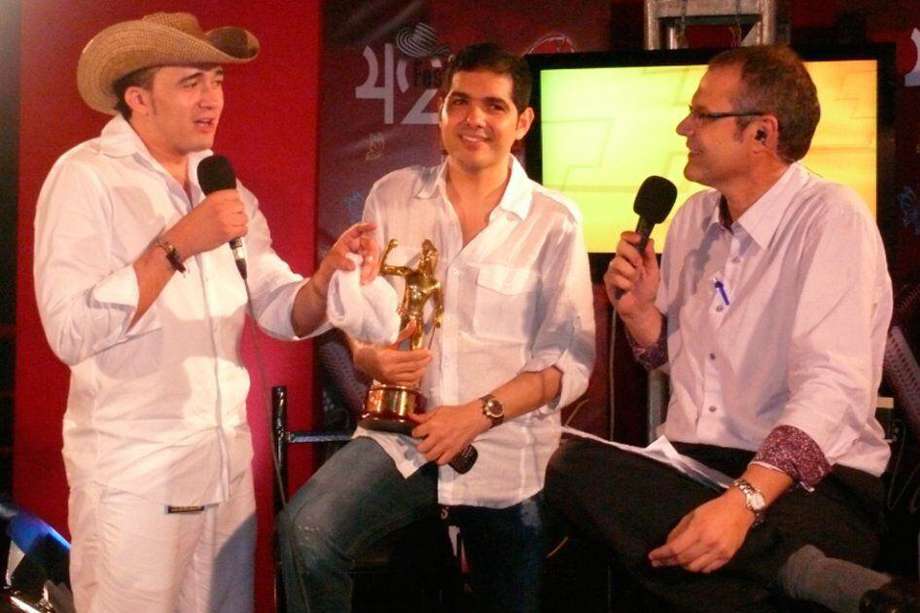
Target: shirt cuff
{"points": [[795, 453], [654, 355], [121, 291]]}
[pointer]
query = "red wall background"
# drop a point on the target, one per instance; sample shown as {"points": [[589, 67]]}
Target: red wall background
{"points": [[268, 130]]}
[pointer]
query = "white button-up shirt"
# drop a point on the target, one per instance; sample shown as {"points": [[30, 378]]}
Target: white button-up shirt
{"points": [[780, 320], [517, 298], [157, 409]]}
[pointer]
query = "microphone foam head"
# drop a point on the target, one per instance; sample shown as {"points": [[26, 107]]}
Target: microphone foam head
{"points": [[215, 173], [655, 198]]}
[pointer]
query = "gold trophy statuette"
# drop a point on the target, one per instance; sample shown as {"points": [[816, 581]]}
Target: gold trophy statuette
{"points": [[387, 406]]}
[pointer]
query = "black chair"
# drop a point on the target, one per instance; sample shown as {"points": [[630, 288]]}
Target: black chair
{"points": [[413, 569], [902, 376]]}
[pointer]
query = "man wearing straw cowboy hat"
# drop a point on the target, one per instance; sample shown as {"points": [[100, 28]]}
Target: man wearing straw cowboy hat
{"points": [[139, 294]]}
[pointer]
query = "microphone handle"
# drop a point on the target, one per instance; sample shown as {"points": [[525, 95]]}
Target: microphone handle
{"points": [[464, 460], [236, 246], [644, 228]]}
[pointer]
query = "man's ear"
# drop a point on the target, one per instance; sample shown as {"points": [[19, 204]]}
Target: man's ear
{"points": [[138, 100], [766, 131], [525, 120]]}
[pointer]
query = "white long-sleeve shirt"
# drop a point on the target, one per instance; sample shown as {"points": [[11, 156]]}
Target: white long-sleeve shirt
{"points": [[158, 408], [780, 320], [517, 298]]}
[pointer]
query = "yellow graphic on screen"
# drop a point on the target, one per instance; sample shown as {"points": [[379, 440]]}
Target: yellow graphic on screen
{"points": [[604, 130]]}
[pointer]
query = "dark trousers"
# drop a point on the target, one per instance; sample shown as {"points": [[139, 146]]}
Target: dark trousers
{"points": [[631, 503]]}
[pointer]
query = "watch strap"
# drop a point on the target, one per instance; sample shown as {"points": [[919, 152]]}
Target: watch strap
{"points": [[753, 499]]}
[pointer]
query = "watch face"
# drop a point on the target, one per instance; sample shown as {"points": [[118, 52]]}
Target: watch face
{"points": [[493, 408]]}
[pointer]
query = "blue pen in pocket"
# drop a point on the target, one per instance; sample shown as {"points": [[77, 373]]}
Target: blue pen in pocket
{"points": [[720, 287]]}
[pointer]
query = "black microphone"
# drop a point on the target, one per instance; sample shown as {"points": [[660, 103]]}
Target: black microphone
{"points": [[654, 200], [214, 174]]}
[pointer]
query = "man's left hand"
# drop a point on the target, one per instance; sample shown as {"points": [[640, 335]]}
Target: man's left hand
{"points": [[358, 239], [707, 537], [447, 430]]}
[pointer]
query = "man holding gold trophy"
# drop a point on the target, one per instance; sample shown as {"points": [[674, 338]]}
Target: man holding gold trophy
{"points": [[498, 336]]}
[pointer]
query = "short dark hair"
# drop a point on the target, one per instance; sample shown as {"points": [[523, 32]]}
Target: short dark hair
{"points": [[491, 57], [143, 77], [774, 80]]}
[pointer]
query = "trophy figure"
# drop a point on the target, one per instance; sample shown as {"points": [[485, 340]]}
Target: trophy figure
{"points": [[388, 407]]}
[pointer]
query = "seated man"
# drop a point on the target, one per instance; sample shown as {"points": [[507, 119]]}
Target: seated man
{"points": [[516, 343], [770, 311]]}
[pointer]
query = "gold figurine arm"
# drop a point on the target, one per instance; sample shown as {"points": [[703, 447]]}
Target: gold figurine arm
{"points": [[385, 269]]}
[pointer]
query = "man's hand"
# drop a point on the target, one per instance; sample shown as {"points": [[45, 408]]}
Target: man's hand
{"points": [[216, 221], [389, 364], [447, 430], [357, 239], [708, 537], [635, 275]]}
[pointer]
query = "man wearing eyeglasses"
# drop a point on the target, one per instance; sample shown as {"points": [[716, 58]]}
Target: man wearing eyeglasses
{"points": [[769, 311]]}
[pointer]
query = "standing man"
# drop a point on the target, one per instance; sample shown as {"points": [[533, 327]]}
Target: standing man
{"points": [[770, 311], [139, 294], [516, 344]]}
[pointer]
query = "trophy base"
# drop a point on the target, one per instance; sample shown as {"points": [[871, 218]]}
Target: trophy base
{"points": [[388, 407], [386, 424]]}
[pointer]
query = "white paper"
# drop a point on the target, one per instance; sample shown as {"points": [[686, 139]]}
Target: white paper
{"points": [[661, 450]]}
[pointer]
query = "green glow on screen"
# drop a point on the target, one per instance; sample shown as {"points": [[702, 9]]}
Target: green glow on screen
{"points": [[605, 129]]}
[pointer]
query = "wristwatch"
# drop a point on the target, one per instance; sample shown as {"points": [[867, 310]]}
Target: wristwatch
{"points": [[493, 409], [753, 499]]}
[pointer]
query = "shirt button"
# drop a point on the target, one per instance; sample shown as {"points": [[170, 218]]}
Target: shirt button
{"points": [[720, 308], [712, 409]]}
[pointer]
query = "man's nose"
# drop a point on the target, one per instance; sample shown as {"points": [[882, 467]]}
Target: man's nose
{"points": [[474, 115]]}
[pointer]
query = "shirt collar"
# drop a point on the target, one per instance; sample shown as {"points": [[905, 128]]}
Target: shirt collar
{"points": [[762, 219], [118, 139], [517, 199]]}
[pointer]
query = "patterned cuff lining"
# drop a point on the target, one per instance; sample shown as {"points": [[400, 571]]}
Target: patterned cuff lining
{"points": [[654, 355], [795, 453]]}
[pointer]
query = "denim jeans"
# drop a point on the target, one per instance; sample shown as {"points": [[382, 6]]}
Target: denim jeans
{"points": [[358, 496]]}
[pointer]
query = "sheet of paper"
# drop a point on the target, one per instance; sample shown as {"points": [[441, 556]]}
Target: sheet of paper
{"points": [[661, 450]]}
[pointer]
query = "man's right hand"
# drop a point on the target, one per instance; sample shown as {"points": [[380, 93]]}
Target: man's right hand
{"points": [[390, 365], [635, 275], [215, 221]]}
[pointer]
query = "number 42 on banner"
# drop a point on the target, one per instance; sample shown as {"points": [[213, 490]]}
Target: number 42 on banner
{"points": [[369, 90]]}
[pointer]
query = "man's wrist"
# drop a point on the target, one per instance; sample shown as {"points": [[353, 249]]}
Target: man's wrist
{"points": [[644, 324], [483, 423], [171, 253], [751, 498], [313, 287]]}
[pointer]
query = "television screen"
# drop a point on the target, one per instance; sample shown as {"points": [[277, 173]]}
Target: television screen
{"points": [[607, 121]]}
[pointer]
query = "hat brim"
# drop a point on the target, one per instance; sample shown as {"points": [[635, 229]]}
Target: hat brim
{"points": [[131, 45]]}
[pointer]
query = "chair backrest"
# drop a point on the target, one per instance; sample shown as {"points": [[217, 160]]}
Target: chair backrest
{"points": [[901, 369], [343, 385]]}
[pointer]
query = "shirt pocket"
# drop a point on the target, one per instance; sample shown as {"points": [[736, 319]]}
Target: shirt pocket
{"points": [[506, 303]]}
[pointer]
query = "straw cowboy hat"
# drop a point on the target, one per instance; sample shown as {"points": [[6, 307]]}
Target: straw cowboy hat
{"points": [[161, 39]]}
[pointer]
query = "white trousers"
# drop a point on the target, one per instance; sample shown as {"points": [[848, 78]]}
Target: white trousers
{"points": [[130, 555]]}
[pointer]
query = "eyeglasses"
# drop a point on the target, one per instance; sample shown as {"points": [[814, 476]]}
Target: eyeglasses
{"points": [[704, 117]]}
